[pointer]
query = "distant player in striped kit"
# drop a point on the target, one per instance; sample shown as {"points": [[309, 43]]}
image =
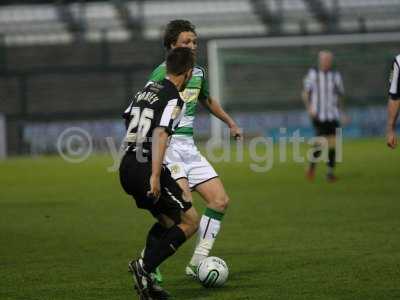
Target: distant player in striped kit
{"points": [[322, 95], [394, 103]]}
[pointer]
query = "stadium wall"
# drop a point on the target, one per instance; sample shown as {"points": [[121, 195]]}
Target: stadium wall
{"points": [[45, 88], [88, 81]]}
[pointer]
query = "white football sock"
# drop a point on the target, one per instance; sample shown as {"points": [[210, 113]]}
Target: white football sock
{"points": [[210, 225]]}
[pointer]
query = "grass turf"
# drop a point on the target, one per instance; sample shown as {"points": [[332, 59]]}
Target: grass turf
{"points": [[67, 231]]}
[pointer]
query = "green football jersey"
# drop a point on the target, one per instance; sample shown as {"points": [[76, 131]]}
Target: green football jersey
{"points": [[196, 89]]}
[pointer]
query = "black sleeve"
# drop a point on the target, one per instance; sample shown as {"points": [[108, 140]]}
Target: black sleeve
{"points": [[127, 115]]}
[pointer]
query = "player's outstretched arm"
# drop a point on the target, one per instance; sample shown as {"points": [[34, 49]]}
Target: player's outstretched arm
{"points": [[217, 110], [393, 112], [159, 145]]}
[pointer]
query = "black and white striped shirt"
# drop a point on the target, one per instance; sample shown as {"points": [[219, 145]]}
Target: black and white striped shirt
{"points": [[394, 89], [324, 89]]}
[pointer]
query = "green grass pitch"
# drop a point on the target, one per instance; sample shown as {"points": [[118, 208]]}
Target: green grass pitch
{"points": [[67, 231]]}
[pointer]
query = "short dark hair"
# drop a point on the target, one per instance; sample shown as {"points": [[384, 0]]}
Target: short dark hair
{"points": [[179, 61], [174, 28]]}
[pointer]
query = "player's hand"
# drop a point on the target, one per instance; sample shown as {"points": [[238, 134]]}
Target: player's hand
{"points": [[312, 113], [236, 132], [391, 139], [345, 119], [155, 189]]}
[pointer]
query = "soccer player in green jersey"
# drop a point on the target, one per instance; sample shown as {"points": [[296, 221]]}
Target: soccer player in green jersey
{"points": [[188, 167]]}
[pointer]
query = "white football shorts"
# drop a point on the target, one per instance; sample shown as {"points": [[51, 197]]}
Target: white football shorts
{"points": [[184, 160]]}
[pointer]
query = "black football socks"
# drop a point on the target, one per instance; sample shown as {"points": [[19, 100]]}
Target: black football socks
{"points": [[156, 233], [163, 248]]}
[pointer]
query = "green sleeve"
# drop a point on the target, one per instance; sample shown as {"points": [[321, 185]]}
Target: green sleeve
{"points": [[204, 92], [158, 74]]}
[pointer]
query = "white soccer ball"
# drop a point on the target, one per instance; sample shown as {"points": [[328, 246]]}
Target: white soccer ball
{"points": [[212, 272]]}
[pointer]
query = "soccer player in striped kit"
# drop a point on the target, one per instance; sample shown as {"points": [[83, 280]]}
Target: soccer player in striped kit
{"points": [[322, 95], [152, 117], [394, 103]]}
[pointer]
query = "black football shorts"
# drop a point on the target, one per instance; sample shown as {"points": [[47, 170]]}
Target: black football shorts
{"points": [[325, 128], [135, 180]]}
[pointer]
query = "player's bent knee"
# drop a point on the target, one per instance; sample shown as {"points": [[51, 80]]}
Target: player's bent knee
{"points": [[221, 203], [165, 221], [190, 221], [189, 228], [187, 196], [194, 226], [194, 222]]}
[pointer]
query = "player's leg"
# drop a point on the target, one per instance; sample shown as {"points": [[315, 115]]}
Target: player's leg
{"points": [[171, 206], [330, 135], [177, 220], [171, 241], [331, 158], [187, 192], [157, 232], [154, 236], [160, 228], [159, 250], [316, 151], [217, 200], [315, 155], [193, 172], [134, 177], [173, 161]]}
